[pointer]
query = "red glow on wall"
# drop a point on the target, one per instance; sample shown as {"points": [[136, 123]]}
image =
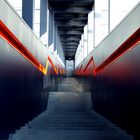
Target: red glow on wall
{"points": [[91, 61], [13, 41], [80, 70], [60, 70], [129, 44], [52, 64]]}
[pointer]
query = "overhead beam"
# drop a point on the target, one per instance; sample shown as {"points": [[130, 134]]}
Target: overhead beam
{"points": [[70, 51], [71, 46], [66, 30], [84, 1], [69, 36], [71, 10], [71, 43], [74, 41], [70, 28], [60, 18], [71, 23], [70, 32], [73, 15]]}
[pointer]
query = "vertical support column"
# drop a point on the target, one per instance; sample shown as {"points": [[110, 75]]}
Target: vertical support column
{"points": [[51, 28], [82, 46], [27, 12], [43, 16], [74, 64], [55, 37]]}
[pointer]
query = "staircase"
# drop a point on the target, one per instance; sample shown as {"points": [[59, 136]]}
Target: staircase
{"points": [[69, 116]]}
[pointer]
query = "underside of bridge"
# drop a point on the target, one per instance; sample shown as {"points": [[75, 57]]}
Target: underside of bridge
{"points": [[70, 17]]}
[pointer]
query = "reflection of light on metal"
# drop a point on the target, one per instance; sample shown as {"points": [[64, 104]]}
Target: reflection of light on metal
{"points": [[52, 64], [89, 62], [129, 44], [79, 71], [46, 69], [13, 41]]}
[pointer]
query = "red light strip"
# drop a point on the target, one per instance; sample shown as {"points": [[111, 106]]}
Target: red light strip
{"points": [[52, 64], [91, 60], [60, 70], [13, 41], [130, 43]]}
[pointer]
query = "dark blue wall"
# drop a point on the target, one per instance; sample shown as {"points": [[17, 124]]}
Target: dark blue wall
{"points": [[23, 92]]}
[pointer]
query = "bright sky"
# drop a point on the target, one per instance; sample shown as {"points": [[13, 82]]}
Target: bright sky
{"points": [[16, 3]]}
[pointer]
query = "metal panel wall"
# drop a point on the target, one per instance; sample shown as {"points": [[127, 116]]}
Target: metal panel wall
{"points": [[115, 87], [23, 92]]}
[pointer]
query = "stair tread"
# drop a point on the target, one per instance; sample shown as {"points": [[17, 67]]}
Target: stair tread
{"points": [[69, 116], [71, 136]]}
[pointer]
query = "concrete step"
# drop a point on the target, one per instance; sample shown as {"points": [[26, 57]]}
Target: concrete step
{"points": [[70, 135], [60, 102], [70, 85], [63, 87], [69, 116]]}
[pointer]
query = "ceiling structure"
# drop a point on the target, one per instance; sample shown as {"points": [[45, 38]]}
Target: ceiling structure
{"points": [[70, 16]]}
